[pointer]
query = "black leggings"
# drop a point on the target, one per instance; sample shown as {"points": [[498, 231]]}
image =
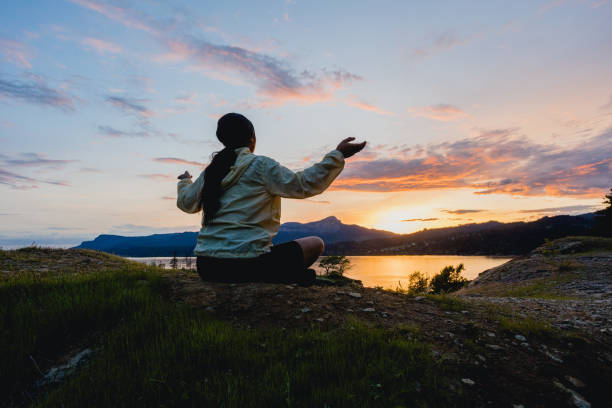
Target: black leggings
{"points": [[283, 264]]}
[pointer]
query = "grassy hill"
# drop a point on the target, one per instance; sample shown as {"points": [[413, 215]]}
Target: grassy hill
{"points": [[148, 337]]}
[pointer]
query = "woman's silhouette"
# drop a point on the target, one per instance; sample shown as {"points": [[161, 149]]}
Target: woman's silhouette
{"points": [[239, 193]]}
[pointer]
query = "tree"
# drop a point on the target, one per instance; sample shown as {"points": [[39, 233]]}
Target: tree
{"points": [[335, 264], [174, 262], [447, 280], [417, 282], [603, 218]]}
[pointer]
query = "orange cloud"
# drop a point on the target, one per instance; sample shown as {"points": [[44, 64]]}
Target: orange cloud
{"points": [[442, 112], [368, 107], [174, 160], [494, 162]]}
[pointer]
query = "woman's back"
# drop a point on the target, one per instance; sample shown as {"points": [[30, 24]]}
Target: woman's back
{"points": [[249, 212]]}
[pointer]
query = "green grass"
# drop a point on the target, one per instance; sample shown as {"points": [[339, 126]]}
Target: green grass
{"points": [[449, 302], [526, 326], [151, 352], [540, 288]]}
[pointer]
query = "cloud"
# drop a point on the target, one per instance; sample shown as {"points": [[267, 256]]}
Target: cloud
{"points": [[16, 52], [118, 14], [310, 200], [353, 101], [159, 177], [35, 160], [21, 182], [442, 112], [112, 132], [459, 212], [566, 209], [496, 161], [101, 46], [440, 43], [175, 160], [168, 198], [35, 92], [276, 82], [420, 219], [129, 105]]}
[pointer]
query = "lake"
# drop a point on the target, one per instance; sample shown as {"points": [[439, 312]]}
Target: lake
{"points": [[388, 271]]}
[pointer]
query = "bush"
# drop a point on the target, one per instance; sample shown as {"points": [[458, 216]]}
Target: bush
{"points": [[335, 264], [448, 280], [417, 282]]}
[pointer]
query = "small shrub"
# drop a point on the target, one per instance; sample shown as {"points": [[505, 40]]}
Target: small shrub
{"points": [[335, 264], [447, 280], [417, 282]]}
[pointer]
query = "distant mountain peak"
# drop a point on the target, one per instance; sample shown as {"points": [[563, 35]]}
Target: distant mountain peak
{"points": [[329, 220]]}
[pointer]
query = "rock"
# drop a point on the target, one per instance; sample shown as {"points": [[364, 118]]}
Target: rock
{"points": [[419, 298], [354, 294], [305, 310], [209, 309], [518, 406], [520, 338], [468, 381], [553, 357], [59, 373], [370, 302], [369, 309], [320, 319], [577, 400], [494, 347], [490, 334], [575, 381]]}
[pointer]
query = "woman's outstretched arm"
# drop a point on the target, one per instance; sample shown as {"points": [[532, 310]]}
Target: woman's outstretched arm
{"points": [[189, 194], [284, 182]]}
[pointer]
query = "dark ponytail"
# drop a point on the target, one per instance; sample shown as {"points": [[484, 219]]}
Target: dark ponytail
{"points": [[234, 131]]}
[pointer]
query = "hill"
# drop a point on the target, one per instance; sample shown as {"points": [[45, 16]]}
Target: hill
{"points": [[330, 229], [82, 328], [490, 238]]}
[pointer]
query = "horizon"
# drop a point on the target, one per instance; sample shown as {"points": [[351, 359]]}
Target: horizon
{"points": [[472, 112], [70, 242]]}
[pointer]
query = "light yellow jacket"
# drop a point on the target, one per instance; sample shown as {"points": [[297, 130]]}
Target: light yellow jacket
{"points": [[249, 216]]}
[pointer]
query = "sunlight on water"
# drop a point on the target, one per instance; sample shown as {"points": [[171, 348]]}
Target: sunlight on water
{"points": [[388, 271]]}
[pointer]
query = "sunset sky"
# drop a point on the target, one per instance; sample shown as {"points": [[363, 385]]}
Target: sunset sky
{"points": [[472, 111]]}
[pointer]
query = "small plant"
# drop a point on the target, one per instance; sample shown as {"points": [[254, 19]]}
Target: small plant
{"points": [[335, 264], [418, 282], [448, 280], [174, 262]]}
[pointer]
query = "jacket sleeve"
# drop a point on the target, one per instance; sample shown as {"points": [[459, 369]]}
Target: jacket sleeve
{"points": [[281, 181], [189, 194]]}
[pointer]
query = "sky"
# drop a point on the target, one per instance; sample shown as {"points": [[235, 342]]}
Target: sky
{"points": [[473, 111]]}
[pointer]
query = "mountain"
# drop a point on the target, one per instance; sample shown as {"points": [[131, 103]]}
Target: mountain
{"points": [[489, 238], [330, 229]]}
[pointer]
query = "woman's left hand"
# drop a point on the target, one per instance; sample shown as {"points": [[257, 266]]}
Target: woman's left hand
{"points": [[185, 175]]}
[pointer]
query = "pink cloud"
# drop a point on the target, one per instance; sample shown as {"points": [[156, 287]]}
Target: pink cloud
{"points": [[101, 46], [368, 107], [497, 161], [117, 14], [16, 52], [159, 177], [174, 160], [442, 112]]}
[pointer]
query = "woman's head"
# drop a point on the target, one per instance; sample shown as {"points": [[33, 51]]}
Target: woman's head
{"points": [[235, 130]]}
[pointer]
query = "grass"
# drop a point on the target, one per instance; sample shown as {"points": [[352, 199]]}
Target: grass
{"points": [[151, 352], [449, 302], [527, 326]]}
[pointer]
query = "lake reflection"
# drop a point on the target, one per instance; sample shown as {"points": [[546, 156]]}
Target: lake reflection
{"points": [[389, 271]]}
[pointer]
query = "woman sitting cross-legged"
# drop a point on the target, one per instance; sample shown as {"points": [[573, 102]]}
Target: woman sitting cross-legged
{"points": [[240, 195]]}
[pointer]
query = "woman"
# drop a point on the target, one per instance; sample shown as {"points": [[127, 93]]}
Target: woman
{"points": [[240, 194]]}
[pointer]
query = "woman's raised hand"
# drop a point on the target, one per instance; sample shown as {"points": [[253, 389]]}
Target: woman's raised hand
{"points": [[185, 175], [348, 149]]}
